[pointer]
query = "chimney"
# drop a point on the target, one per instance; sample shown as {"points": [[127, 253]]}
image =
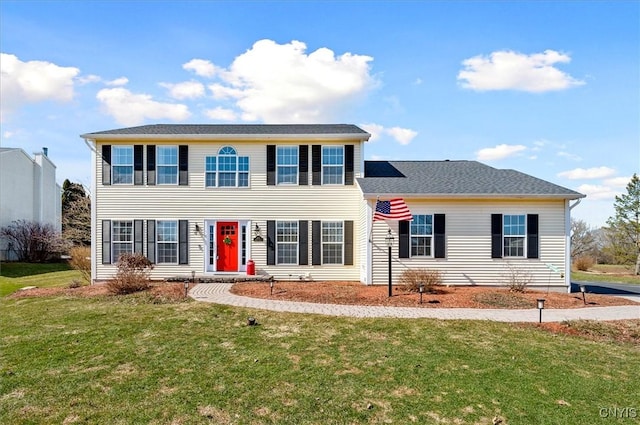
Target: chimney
{"points": [[45, 151]]}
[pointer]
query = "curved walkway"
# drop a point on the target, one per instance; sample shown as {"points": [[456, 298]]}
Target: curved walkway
{"points": [[218, 293]]}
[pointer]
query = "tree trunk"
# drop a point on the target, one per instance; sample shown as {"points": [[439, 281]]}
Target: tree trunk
{"points": [[638, 264]]}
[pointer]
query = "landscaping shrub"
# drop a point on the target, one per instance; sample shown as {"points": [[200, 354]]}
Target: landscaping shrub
{"points": [[33, 242], [132, 275], [81, 261], [583, 262], [412, 278], [516, 278]]}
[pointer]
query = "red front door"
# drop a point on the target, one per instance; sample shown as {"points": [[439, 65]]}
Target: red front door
{"points": [[227, 246]]}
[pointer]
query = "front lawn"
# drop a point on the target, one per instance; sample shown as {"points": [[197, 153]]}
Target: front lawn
{"points": [[132, 359], [14, 276]]}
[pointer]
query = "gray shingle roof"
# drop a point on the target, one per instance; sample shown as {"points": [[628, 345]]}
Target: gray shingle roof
{"points": [[453, 178], [234, 129]]}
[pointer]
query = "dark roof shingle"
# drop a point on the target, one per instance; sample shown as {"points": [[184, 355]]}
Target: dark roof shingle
{"points": [[234, 129]]}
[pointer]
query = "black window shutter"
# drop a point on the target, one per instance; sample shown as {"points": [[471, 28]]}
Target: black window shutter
{"points": [[404, 239], [348, 165], [138, 237], [183, 242], [106, 242], [532, 236], [348, 243], [303, 242], [151, 241], [151, 164], [183, 165], [496, 235], [106, 165], [271, 165], [138, 177], [271, 242], [316, 243], [303, 166], [316, 165], [439, 236]]}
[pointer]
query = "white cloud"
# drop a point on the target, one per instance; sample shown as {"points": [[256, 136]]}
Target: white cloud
{"points": [[118, 82], [596, 192], [185, 90], [201, 67], [569, 156], [88, 79], [508, 70], [404, 136], [375, 130], [499, 152], [621, 182], [589, 173], [32, 82], [221, 114], [132, 109], [282, 83]]}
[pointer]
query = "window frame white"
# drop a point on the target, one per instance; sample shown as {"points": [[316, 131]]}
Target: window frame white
{"points": [[415, 234], [163, 242], [239, 172], [324, 167], [514, 237], [116, 238], [325, 240], [116, 157], [282, 225], [281, 166], [161, 166]]}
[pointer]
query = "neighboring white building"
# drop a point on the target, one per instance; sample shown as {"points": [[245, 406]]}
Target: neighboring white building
{"points": [[28, 191], [298, 200]]}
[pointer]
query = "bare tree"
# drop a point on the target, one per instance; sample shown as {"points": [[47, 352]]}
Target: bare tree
{"points": [[32, 241], [583, 240]]}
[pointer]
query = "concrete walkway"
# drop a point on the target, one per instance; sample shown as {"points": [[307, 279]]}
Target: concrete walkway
{"points": [[218, 293]]}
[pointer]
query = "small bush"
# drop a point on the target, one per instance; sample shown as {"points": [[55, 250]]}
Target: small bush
{"points": [[516, 278], [583, 262], [132, 275], [81, 261], [412, 278]]}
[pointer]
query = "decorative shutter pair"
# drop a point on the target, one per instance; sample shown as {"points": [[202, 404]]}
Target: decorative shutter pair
{"points": [[533, 237], [439, 237], [316, 165], [303, 243]]}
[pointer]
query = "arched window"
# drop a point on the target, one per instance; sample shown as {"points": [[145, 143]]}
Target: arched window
{"points": [[227, 169]]}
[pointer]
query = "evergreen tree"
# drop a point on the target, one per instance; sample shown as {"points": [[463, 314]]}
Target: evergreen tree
{"points": [[76, 214], [624, 228]]}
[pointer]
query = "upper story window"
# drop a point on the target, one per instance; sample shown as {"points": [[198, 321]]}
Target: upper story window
{"points": [[332, 242], [287, 242], [122, 238], [122, 164], [422, 235], [287, 164], [514, 234], [227, 169], [167, 160], [333, 165]]}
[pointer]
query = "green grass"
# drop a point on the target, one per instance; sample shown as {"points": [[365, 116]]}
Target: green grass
{"points": [[14, 276], [124, 360], [577, 276]]}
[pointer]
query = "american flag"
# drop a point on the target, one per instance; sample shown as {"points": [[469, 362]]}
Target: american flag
{"points": [[394, 209]]}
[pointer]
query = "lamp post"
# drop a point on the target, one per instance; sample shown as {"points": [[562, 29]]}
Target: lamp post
{"points": [[421, 288], [389, 240], [583, 289], [186, 287], [271, 287], [540, 307]]}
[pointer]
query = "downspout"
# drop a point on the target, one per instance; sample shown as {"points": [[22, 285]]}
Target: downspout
{"points": [[94, 261], [567, 265]]}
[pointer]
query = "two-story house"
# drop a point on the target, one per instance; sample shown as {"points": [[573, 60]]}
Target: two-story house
{"points": [[299, 201]]}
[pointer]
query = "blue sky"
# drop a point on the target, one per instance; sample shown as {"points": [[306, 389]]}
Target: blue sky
{"points": [[551, 89]]}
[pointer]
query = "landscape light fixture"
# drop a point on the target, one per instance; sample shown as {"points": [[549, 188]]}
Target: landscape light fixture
{"points": [[421, 288], [389, 240], [540, 307], [186, 288], [271, 287], [193, 276], [583, 289]]}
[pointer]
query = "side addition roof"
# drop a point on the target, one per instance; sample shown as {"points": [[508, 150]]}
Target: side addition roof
{"points": [[233, 131], [460, 179]]}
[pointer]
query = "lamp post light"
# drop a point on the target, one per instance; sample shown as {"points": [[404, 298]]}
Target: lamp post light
{"points": [[540, 307], [421, 288], [389, 240], [193, 276], [583, 289], [271, 287], [186, 288]]}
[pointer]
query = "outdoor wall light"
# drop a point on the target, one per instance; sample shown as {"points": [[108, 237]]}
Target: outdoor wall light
{"points": [[389, 241], [197, 230], [421, 288], [583, 289], [540, 307], [257, 237]]}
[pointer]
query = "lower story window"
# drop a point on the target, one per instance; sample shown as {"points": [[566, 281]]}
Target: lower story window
{"points": [[332, 242], [122, 237], [421, 235], [287, 242], [514, 231], [167, 241]]}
